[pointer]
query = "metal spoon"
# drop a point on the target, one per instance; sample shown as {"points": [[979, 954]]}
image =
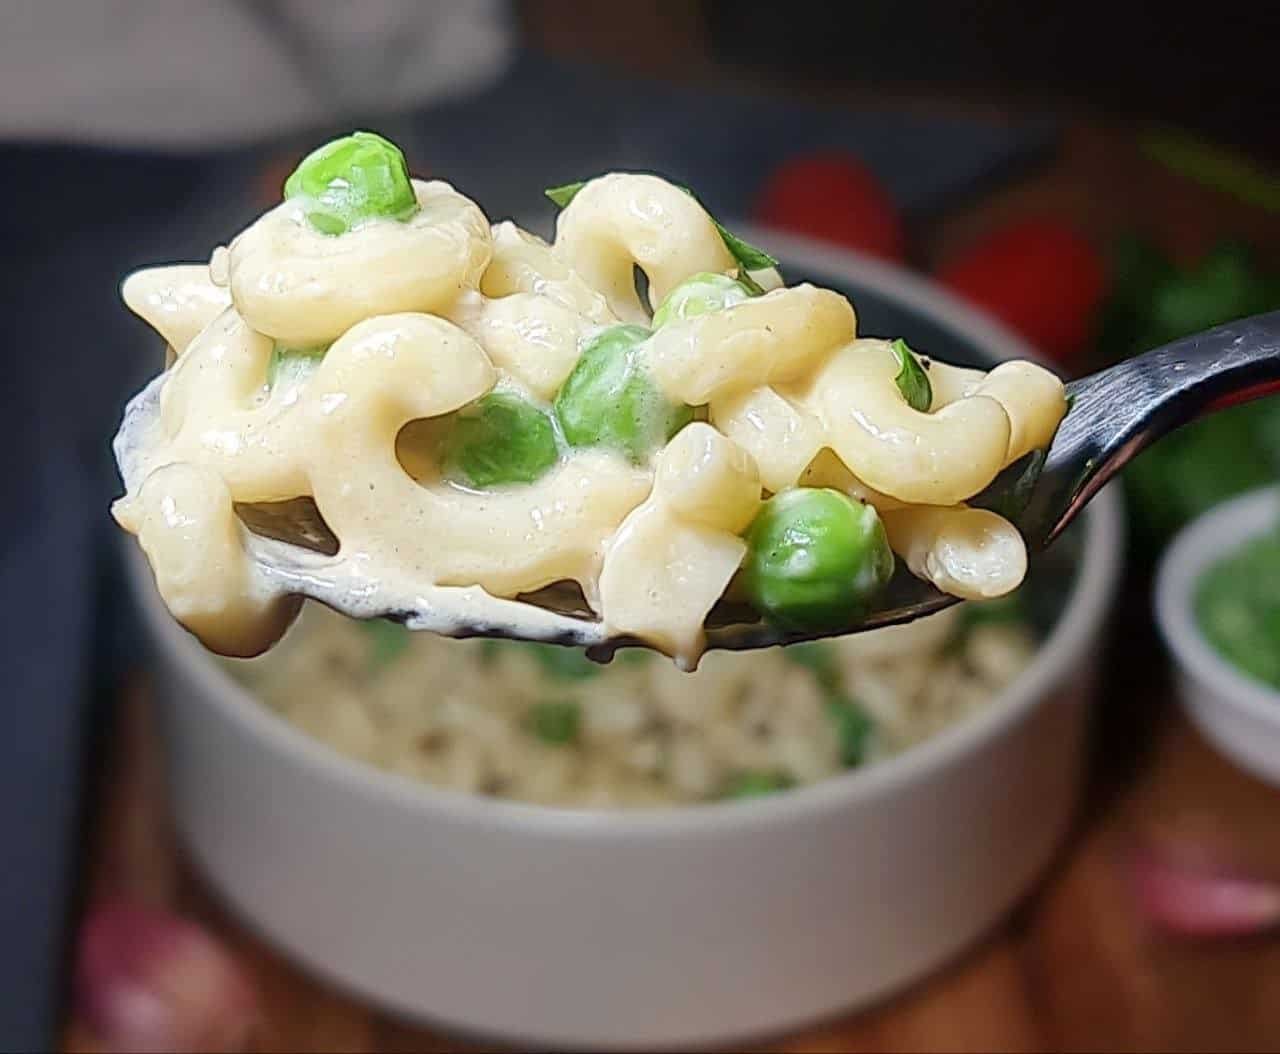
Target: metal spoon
{"points": [[1114, 414]]}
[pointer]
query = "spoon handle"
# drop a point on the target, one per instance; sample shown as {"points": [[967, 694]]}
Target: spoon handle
{"points": [[1119, 411]]}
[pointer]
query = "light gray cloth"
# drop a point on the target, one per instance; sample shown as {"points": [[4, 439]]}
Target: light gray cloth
{"points": [[187, 73]]}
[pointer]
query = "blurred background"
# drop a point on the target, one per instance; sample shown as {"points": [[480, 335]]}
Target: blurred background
{"points": [[1101, 183]]}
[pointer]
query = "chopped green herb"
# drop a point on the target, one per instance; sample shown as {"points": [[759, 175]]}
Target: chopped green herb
{"points": [[912, 380], [756, 784], [748, 283], [853, 727], [564, 194], [387, 641], [819, 659], [568, 664], [555, 722], [748, 256], [1237, 606], [852, 723]]}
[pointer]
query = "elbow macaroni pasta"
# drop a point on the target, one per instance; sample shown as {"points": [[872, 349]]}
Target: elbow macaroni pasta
{"points": [[682, 542], [407, 321], [620, 222]]}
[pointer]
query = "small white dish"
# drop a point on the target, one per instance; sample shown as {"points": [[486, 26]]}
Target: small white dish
{"points": [[1238, 714], [669, 928]]}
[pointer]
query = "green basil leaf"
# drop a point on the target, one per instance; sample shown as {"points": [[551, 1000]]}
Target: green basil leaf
{"points": [[913, 381], [752, 286], [564, 194], [748, 256]]}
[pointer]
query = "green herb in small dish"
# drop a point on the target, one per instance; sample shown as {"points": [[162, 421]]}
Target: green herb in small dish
{"points": [[1237, 606]]}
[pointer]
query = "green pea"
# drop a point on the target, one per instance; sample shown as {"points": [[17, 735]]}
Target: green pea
{"points": [[610, 400], [500, 438], [815, 558], [359, 177], [700, 295], [756, 784], [292, 365], [556, 722]]}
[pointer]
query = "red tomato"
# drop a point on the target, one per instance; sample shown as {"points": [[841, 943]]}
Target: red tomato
{"points": [[836, 198], [1040, 277]]}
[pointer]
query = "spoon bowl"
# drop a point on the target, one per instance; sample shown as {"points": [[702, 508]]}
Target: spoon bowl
{"points": [[1113, 415]]}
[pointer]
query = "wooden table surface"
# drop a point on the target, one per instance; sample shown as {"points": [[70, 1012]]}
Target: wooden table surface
{"points": [[1076, 968]]}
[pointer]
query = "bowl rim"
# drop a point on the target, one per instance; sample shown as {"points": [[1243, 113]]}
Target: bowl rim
{"points": [[1058, 654], [1208, 538]]}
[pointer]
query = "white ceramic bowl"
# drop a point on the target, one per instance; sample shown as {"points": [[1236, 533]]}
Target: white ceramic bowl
{"points": [[705, 924], [1239, 715]]}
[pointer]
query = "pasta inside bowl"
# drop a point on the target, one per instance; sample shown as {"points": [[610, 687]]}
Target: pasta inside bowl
{"points": [[543, 725]]}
